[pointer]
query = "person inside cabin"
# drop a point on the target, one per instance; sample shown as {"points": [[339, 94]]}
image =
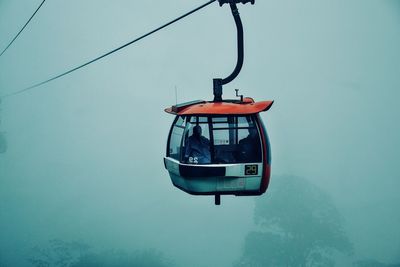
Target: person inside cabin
{"points": [[197, 148], [250, 147]]}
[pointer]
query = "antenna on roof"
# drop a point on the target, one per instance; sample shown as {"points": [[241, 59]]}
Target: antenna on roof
{"points": [[176, 95]]}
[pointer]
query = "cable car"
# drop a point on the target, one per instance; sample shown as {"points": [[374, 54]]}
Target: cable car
{"points": [[220, 147], [234, 153]]}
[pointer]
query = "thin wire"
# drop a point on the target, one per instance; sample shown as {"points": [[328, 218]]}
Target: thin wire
{"points": [[16, 36], [108, 53]]}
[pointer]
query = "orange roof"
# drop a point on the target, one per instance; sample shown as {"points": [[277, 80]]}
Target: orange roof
{"points": [[248, 106]]}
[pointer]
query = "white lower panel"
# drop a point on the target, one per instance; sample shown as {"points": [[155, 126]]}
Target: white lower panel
{"points": [[240, 183], [197, 185], [219, 184]]}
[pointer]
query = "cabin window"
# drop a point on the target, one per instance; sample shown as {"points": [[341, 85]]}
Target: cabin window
{"points": [[236, 139], [215, 140], [174, 149], [196, 141]]}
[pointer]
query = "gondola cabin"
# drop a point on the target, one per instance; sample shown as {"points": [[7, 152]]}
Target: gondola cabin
{"points": [[219, 148]]}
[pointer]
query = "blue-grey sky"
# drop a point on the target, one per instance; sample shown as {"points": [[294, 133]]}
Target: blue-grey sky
{"points": [[84, 157]]}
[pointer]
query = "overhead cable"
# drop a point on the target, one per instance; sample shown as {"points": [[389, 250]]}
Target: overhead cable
{"points": [[16, 36], [108, 53]]}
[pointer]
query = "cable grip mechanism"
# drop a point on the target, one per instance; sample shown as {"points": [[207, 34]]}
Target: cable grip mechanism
{"points": [[218, 82], [221, 2]]}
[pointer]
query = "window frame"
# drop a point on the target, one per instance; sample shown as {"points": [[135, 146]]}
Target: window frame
{"points": [[187, 118], [254, 120], [168, 154]]}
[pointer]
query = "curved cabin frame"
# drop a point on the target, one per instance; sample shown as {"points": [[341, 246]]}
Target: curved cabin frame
{"points": [[224, 124]]}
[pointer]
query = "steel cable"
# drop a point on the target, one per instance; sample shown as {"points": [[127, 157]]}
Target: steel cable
{"points": [[108, 53], [16, 36]]}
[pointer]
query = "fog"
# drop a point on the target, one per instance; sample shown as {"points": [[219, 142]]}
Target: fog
{"points": [[82, 179]]}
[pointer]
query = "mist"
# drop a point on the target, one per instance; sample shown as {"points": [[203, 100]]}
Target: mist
{"points": [[82, 179]]}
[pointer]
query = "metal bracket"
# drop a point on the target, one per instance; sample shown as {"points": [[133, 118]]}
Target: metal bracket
{"points": [[217, 89], [221, 2], [217, 200], [237, 95]]}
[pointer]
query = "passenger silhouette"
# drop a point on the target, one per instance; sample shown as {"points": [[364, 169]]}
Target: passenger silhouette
{"points": [[197, 149], [250, 147]]}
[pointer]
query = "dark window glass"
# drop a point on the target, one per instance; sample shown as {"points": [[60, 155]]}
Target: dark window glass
{"points": [[196, 142], [196, 119], [174, 149], [245, 121], [249, 146], [236, 139], [180, 122], [220, 122]]}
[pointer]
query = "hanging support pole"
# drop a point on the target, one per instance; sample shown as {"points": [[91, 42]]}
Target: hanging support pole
{"points": [[218, 82], [217, 200]]}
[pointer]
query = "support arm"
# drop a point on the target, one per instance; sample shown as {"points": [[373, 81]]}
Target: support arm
{"points": [[218, 82]]}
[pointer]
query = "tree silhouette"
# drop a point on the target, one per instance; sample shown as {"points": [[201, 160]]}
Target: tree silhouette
{"points": [[77, 254], [147, 258], [59, 254], [2, 262], [374, 263], [3, 143], [298, 225]]}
